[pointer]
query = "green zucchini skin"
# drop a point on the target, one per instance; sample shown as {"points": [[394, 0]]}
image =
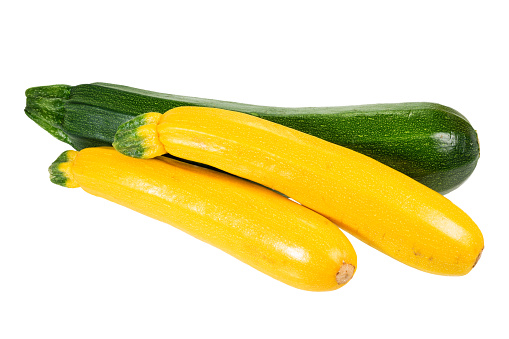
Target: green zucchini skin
{"points": [[431, 143]]}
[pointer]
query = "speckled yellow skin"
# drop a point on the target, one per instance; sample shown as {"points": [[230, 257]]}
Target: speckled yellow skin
{"points": [[382, 207], [257, 226]]}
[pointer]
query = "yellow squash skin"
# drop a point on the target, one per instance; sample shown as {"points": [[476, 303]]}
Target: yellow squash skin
{"points": [[382, 207], [276, 236]]}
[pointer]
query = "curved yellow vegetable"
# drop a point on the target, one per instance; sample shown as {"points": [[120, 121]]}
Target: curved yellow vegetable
{"points": [[382, 207], [252, 223]]}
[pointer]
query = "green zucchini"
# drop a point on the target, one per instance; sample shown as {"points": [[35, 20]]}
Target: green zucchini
{"points": [[431, 143]]}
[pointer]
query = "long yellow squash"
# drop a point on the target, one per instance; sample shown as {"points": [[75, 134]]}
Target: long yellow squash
{"points": [[252, 223], [373, 202]]}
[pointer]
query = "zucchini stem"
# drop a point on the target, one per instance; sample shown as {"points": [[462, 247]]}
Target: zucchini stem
{"points": [[138, 137], [45, 106], [60, 170]]}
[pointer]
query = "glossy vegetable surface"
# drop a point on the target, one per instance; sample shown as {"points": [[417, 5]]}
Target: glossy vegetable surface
{"points": [[257, 226], [379, 205], [431, 143]]}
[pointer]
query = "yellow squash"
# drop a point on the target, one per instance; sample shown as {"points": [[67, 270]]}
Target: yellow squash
{"points": [[373, 202], [252, 223]]}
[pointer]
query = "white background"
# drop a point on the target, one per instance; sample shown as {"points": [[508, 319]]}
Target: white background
{"points": [[76, 266]]}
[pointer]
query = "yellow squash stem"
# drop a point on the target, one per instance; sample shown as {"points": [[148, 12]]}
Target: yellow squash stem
{"points": [[382, 207], [262, 228]]}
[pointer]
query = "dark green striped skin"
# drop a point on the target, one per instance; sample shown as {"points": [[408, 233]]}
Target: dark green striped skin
{"points": [[431, 143]]}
